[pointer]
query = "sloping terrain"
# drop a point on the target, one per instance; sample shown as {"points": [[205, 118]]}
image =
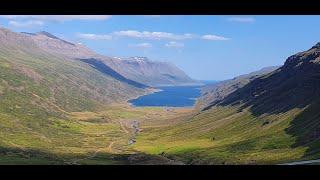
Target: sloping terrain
{"points": [[139, 69], [60, 103], [212, 93], [103, 68], [69, 84], [40, 91], [272, 119], [152, 73], [57, 109]]}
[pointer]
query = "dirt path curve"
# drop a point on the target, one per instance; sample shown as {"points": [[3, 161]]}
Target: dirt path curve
{"points": [[123, 127], [110, 146]]}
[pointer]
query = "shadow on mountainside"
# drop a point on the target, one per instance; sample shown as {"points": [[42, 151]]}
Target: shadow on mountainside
{"points": [[306, 128], [27, 156], [281, 91], [103, 68]]}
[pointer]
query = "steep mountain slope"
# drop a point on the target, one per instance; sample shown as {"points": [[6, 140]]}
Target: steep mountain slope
{"points": [[70, 84], [274, 118], [56, 46], [139, 69], [152, 73], [295, 84], [59, 104], [41, 94], [212, 93]]}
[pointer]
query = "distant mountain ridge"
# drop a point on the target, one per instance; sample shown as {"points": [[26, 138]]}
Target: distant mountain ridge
{"points": [[68, 83], [139, 69], [213, 93], [136, 72], [100, 66], [152, 73]]}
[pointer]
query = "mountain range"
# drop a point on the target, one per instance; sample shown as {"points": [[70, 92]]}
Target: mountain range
{"points": [[62, 103], [59, 101], [65, 68], [139, 69]]}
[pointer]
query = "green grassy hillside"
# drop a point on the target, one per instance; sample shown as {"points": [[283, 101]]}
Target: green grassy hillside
{"points": [[78, 138], [39, 92], [223, 135], [59, 110], [272, 119]]}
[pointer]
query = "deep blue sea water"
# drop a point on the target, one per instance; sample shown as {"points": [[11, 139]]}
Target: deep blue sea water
{"points": [[173, 96]]}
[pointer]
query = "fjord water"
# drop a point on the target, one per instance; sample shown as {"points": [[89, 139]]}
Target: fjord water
{"points": [[172, 96]]}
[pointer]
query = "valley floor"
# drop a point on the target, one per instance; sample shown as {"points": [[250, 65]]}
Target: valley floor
{"points": [[104, 137], [122, 134]]}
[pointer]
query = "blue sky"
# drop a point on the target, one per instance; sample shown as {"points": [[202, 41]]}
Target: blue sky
{"points": [[205, 47]]}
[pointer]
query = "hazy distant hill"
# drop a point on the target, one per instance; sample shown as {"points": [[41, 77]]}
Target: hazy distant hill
{"points": [[152, 73], [215, 92]]}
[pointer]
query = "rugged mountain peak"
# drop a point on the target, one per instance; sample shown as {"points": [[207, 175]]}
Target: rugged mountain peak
{"points": [[304, 58], [316, 46]]}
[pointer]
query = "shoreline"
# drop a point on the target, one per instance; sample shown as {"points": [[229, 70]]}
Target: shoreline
{"points": [[155, 90], [152, 90], [181, 85], [164, 107]]}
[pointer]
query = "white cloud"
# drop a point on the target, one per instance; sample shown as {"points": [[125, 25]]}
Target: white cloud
{"points": [[214, 37], [56, 17], [94, 36], [25, 24], [152, 35], [242, 19], [174, 44], [141, 45]]}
